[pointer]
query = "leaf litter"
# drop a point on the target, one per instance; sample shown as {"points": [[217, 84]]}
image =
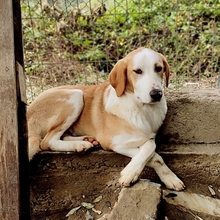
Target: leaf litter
{"points": [[88, 206]]}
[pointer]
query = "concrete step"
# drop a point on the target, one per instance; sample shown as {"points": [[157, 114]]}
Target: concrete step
{"points": [[198, 165], [192, 117], [195, 163], [62, 181]]}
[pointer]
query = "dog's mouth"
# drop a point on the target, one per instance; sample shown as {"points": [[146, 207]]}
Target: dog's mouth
{"points": [[150, 102]]}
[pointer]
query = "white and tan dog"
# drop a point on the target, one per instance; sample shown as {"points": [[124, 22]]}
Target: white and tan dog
{"points": [[123, 115]]}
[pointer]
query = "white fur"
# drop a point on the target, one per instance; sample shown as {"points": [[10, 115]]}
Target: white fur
{"points": [[148, 80], [131, 172], [146, 117]]}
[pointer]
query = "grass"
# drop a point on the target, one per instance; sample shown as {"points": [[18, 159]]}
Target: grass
{"points": [[69, 44]]}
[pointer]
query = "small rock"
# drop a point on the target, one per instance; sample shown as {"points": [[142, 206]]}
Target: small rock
{"points": [[143, 197]]}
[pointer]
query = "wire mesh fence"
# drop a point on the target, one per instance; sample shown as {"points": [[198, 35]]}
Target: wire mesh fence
{"points": [[79, 41]]}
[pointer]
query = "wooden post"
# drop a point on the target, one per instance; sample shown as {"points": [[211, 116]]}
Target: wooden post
{"points": [[14, 201]]}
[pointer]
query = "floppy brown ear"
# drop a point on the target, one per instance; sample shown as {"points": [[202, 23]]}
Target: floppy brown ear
{"points": [[167, 68], [117, 77]]}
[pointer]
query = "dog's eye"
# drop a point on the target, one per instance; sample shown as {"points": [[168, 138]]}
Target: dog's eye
{"points": [[138, 71], [158, 69]]}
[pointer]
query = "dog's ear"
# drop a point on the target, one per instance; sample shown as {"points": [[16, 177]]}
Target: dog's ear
{"points": [[167, 68], [118, 76]]}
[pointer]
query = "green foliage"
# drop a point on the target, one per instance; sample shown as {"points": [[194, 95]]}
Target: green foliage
{"points": [[187, 32]]}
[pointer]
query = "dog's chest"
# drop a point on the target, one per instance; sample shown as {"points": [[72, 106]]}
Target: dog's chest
{"points": [[147, 120], [131, 140], [140, 128], [145, 117]]}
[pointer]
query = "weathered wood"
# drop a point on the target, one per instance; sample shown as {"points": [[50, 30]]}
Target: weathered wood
{"points": [[21, 113], [21, 83], [9, 140]]}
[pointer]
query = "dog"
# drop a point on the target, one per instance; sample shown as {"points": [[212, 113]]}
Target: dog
{"points": [[122, 115]]}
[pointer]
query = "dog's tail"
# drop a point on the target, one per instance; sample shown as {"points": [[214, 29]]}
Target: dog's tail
{"points": [[33, 146]]}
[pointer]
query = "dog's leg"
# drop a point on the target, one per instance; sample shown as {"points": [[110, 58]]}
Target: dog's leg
{"points": [[166, 175], [34, 142], [81, 138], [143, 156], [57, 125], [132, 171], [129, 152], [52, 142]]}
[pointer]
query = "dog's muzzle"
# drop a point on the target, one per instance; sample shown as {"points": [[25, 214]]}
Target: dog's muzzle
{"points": [[156, 95]]}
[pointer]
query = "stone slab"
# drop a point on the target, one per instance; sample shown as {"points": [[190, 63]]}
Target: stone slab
{"points": [[139, 202], [190, 205]]}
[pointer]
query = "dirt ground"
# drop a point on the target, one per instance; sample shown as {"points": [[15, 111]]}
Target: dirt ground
{"points": [[62, 182]]}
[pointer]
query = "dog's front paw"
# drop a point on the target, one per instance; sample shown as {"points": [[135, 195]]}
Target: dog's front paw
{"points": [[127, 177], [84, 146], [126, 181], [173, 182]]}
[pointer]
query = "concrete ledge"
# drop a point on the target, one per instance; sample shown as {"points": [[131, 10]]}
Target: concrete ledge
{"points": [[194, 163], [193, 117], [62, 181], [59, 181]]}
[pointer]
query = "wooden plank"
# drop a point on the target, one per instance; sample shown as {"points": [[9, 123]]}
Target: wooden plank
{"points": [[21, 112], [9, 166]]}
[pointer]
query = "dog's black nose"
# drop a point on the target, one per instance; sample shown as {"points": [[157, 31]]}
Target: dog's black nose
{"points": [[156, 95]]}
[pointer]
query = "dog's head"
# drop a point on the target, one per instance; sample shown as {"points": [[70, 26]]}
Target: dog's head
{"points": [[141, 72]]}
